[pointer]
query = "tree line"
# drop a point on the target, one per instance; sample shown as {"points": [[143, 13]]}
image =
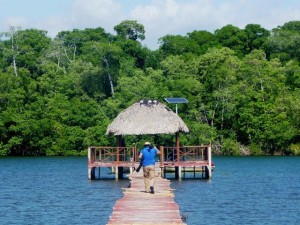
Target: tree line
{"points": [[57, 95]]}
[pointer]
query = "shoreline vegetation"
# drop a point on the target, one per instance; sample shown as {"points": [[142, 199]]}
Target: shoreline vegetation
{"points": [[216, 151], [58, 95]]}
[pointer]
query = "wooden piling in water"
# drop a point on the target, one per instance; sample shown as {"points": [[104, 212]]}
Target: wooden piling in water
{"points": [[137, 207]]}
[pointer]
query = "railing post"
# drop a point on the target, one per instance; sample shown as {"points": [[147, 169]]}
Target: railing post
{"points": [[177, 146], [202, 152], [89, 154], [118, 155], [209, 162], [100, 154], [161, 149], [91, 159]]}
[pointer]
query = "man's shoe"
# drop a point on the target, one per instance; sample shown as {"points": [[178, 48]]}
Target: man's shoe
{"points": [[152, 190]]}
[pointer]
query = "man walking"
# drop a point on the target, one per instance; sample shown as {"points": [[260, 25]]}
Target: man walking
{"points": [[148, 155]]}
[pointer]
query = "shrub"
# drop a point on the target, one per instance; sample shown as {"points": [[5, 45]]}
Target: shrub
{"points": [[295, 149], [255, 149], [230, 147]]}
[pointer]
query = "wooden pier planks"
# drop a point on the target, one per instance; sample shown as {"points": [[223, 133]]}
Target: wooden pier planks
{"points": [[137, 207]]}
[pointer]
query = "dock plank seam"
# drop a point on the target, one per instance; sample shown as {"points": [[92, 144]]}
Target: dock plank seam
{"points": [[139, 208]]}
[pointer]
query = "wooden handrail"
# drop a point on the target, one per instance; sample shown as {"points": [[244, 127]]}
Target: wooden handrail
{"points": [[130, 154]]}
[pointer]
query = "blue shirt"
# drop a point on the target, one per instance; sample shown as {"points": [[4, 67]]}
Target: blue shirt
{"points": [[149, 155]]}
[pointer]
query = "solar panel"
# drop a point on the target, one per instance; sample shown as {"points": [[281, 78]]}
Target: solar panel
{"points": [[176, 100]]}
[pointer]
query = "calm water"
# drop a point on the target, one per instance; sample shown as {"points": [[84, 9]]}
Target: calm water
{"points": [[244, 190]]}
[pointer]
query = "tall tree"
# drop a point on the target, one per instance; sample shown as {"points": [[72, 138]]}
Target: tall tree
{"points": [[10, 48], [204, 39], [257, 36], [130, 29], [108, 58], [177, 45], [284, 42], [233, 38], [217, 71]]}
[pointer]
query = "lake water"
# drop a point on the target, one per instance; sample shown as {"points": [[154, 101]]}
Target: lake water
{"points": [[243, 190]]}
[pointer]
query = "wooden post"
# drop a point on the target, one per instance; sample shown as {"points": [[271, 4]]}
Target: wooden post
{"points": [[120, 172], [176, 172], [91, 170], [91, 173], [209, 162], [118, 155], [120, 141], [179, 173], [89, 154], [177, 146], [161, 149], [92, 154], [135, 156], [116, 172]]}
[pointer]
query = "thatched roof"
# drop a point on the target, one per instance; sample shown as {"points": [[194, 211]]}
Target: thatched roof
{"points": [[143, 118]]}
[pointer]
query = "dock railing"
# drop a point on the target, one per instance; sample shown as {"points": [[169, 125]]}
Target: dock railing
{"points": [[120, 157], [187, 154], [115, 155], [129, 155]]}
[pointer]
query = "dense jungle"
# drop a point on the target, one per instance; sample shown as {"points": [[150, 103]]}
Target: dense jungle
{"points": [[58, 94]]}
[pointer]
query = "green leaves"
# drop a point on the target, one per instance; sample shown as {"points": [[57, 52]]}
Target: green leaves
{"points": [[130, 29], [57, 96]]}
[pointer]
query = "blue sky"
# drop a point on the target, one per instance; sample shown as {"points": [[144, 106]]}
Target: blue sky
{"points": [[159, 17]]}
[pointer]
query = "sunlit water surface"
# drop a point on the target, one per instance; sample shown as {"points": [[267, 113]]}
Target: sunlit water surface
{"points": [[243, 190]]}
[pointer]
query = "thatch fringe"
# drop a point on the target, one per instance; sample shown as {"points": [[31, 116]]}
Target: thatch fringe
{"points": [[141, 118]]}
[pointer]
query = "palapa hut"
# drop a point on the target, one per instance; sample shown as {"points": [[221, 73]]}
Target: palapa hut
{"points": [[147, 117]]}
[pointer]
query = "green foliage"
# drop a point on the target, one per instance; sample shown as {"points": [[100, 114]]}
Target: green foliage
{"points": [[233, 38], [257, 36], [57, 96], [254, 149], [230, 147], [130, 29], [24, 49], [205, 40], [295, 149], [176, 45], [284, 42]]}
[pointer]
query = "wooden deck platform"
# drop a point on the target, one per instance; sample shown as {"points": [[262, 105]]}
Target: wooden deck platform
{"points": [[137, 207], [189, 158]]}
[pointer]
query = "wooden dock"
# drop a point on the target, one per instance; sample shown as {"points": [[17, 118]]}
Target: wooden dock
{"points": [[137, 207], [180, 159]]}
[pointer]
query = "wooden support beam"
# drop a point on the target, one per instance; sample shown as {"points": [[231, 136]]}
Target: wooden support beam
{"points": [[161, 149], [116, 172], [209, 162], [91, 173], [176, 172], [177, 146]]}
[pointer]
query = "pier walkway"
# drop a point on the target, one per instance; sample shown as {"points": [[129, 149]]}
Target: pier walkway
{"points": [[137, 207]]}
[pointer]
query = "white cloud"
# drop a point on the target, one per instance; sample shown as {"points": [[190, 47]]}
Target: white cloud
{"points": [[164, 17], [160, 17], [84, 14], [54, 25], [97, 13]]}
